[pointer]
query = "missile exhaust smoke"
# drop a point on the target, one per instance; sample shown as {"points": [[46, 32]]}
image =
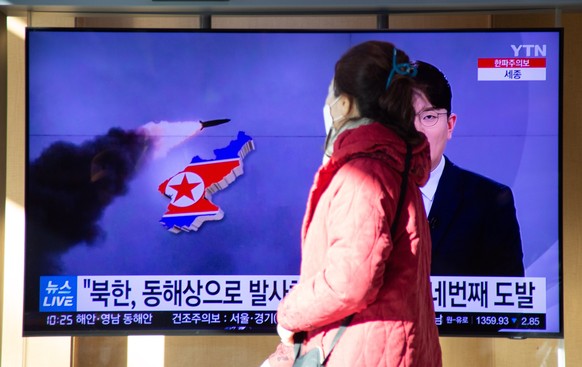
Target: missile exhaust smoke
{"points": [[173, 133], [70, 185]]}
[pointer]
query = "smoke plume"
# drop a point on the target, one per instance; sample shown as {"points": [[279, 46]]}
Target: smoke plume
{"points": [[69, 186]]}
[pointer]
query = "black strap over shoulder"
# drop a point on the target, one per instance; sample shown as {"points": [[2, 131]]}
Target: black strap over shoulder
{"points": [[403, 185]]}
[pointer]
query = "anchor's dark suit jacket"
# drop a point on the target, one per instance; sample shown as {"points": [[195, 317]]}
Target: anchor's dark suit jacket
{"points": [[473, 226]]}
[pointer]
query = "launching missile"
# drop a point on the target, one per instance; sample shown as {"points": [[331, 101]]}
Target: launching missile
{"points": [[213, 123]]}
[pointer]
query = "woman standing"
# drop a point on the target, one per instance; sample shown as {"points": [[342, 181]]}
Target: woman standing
{"points": [[352, 262]]}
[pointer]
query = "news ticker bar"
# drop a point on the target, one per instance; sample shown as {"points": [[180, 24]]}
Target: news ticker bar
{"points": [[252, 321], [148, 321]]}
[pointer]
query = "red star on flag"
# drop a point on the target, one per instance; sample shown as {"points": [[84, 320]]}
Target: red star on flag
{"points": [[184, 189]]}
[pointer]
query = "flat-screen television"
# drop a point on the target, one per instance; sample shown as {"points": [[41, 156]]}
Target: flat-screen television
{"points": [[167, 173]]}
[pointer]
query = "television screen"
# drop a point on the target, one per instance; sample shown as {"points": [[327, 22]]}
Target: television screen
{"points": [[168, 171]]}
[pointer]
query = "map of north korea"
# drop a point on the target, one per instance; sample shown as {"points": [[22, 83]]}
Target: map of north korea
{"points": [[191, 189]]}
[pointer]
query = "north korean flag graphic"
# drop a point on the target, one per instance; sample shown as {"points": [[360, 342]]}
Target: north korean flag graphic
{"points": [[190, 190]]}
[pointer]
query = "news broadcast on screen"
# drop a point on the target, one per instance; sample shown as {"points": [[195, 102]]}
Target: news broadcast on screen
{"points": [[167, 173]]}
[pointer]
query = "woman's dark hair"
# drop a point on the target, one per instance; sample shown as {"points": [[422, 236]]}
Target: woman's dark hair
{"points": [[362, 74]]}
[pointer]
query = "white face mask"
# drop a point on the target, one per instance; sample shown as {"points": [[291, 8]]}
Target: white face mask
{"points": [[328, 121], [327, 117]]}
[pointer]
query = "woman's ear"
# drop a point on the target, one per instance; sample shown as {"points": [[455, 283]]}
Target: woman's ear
{"points": [[344, 110], [346, 107]]}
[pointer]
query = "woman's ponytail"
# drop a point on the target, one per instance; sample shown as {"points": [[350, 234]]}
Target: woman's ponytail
{"points": [[380, 80]]}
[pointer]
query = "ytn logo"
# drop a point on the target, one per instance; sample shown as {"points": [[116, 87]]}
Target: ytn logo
{"points": [[529, 50]]}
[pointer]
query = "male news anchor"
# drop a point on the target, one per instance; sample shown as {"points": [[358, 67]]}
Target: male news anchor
{"points": [[473, 223]]}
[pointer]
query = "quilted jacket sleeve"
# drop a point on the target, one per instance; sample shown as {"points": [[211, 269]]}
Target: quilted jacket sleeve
{"points": [[345, 248]]}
